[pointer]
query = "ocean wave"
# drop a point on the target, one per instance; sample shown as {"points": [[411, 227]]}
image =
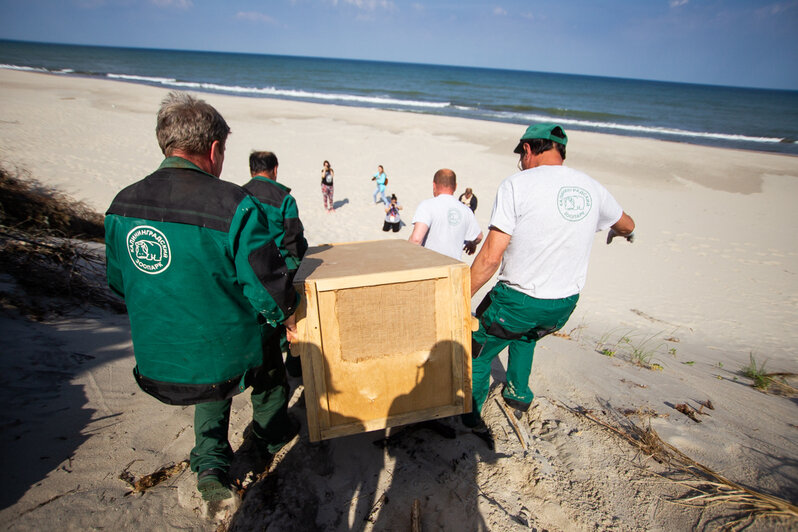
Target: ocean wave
{"points": [[287, 93], [509, 113], [24, 68], [573, 114], [148, 79], [643, 130]]}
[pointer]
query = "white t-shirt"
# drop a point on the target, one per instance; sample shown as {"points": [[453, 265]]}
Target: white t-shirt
{"points": [[552, 214], [450, 224]]}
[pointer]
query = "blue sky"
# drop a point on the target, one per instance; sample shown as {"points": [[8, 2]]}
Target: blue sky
{"points": [[726, 42]]}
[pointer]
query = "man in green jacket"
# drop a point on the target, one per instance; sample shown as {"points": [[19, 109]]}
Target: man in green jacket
{"points": [[284, 226], [205, 286]]}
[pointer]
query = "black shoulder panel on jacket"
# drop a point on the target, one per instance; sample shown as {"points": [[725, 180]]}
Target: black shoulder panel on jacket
{"points": [[269, 266], [180, 195], [266, 192]]}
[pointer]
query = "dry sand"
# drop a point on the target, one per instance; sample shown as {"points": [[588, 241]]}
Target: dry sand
{"points": [[710, 279]]}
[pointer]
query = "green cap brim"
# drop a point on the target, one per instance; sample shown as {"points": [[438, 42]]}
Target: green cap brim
{"points": [[542, 131]]}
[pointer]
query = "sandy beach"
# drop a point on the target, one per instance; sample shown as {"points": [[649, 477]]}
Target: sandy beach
{"points": [[710, 281]]}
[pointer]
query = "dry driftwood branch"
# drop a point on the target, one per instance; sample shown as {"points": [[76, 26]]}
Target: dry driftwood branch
{"points": [[415, 516], [511, 419]]}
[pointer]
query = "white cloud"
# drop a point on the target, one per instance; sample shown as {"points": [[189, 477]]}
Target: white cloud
{"points": [[368, 5], [178, 4], [254, 16], [677, 3], [777, 8], [528, 16], [500, 11]]}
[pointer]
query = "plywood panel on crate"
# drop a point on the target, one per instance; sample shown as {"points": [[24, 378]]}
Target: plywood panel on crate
{"points": [[384, 336]]}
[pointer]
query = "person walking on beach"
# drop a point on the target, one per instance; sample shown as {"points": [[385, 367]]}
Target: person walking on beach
{"points": [[442, 223], [382, 181], [541, 232], [327, 175], [393, 221], [200, 273], [468, 199], [285, 227]]}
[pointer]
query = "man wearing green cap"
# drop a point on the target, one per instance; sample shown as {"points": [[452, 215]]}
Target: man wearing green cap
{"points": [[541, 232]]}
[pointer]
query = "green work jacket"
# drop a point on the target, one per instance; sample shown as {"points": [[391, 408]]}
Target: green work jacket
{"points": [[284, 223], [202, 278]]}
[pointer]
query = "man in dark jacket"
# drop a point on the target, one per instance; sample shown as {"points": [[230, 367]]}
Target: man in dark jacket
{"points": [[285, 226], [205, 286]]}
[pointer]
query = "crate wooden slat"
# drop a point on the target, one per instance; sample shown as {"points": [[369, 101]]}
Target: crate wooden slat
{"points": [[384, 336]]}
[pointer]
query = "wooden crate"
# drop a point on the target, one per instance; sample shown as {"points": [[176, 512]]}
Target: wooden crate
{"points": [[384, 336]]}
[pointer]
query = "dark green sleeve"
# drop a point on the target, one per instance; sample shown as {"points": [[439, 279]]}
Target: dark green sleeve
{"points": [[294, 233], [260, 267], [112, 272]]}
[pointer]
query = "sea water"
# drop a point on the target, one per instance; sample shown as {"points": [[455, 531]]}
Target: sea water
{"points": [[734, 117]]}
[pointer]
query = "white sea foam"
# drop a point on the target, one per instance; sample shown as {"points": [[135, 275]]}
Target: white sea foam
{"points": [[24, 68], [272, 91], [423, 106], [637, 129], [149, 79]]}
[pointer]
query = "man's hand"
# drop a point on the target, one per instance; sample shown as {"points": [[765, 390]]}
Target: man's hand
{"points": [[613, 233], [624, 227], [470, 247], [290, 329]]}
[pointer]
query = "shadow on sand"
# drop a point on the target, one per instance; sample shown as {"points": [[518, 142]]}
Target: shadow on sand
{"points": [[369, 481]]}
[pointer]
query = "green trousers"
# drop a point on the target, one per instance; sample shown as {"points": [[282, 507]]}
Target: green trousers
{"points": [[270, 422], [509, 318]]}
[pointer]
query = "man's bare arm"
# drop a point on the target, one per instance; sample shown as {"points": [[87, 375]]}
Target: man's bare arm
{"points": [[624, 228], [290, 328], [418, 234], [488, 259]]}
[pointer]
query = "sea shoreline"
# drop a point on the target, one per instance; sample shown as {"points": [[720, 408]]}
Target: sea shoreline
{"points": [[732, 117]]}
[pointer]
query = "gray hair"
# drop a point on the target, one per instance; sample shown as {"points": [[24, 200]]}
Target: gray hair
{"points": [[189, 124]]}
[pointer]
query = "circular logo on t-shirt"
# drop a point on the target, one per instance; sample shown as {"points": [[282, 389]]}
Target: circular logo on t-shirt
{"points": [[574, 203], [148, 249], [454, 217]]}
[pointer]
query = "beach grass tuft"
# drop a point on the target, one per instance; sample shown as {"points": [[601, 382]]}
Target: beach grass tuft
{"points": [[756, 372], [768, 382], [637, 348]]}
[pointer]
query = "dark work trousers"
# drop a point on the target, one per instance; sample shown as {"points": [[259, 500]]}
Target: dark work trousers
{"points": [[271, 425], [510, 318]]}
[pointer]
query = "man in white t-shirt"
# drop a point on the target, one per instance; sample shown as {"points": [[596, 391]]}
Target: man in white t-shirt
{"points": [[444, 224], [541, 231]]}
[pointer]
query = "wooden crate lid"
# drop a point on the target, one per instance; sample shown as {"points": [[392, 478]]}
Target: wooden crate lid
{"points": [[373, 262]]}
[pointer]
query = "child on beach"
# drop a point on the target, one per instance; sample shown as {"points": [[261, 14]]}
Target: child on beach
{"points": [[392, 220], [327, 175]]}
